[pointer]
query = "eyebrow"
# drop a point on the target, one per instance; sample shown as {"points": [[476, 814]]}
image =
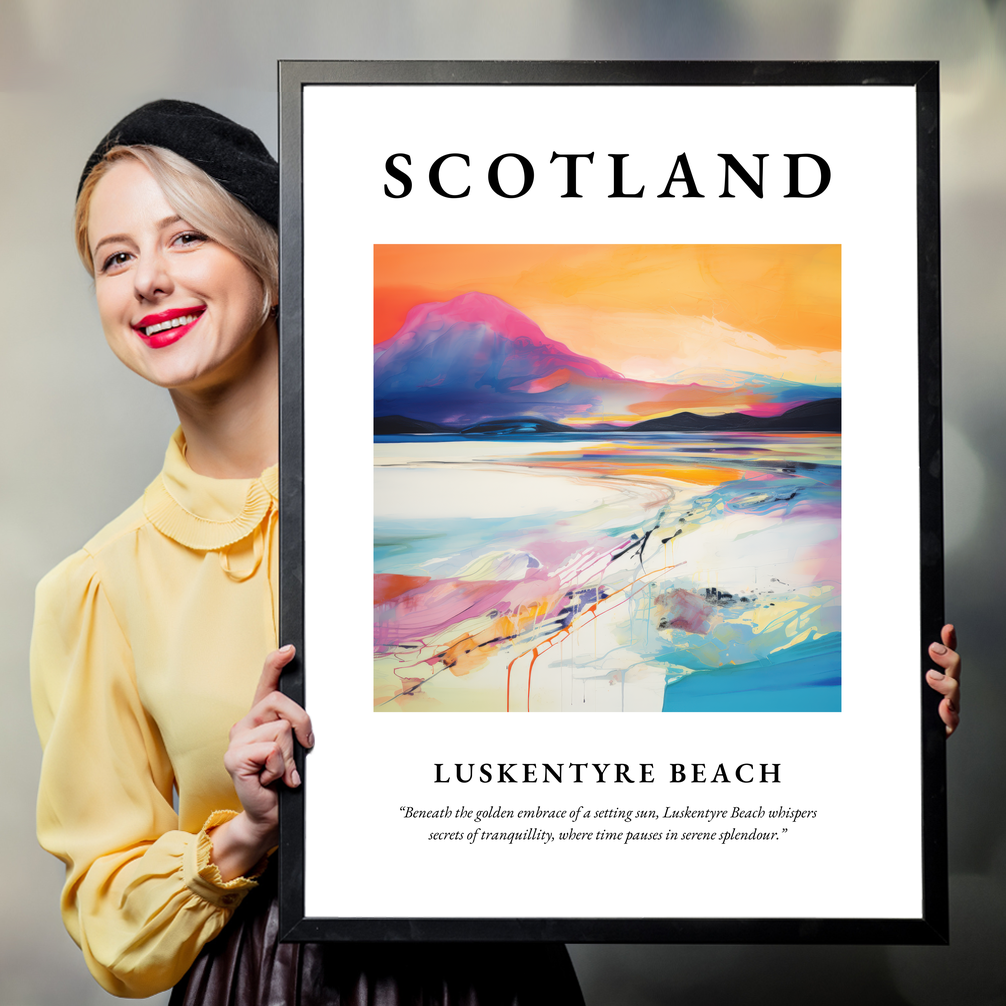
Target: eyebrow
{"points": [[111, 238]]}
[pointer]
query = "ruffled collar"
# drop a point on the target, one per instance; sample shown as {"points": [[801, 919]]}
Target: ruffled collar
{"points": [[203, 513]]}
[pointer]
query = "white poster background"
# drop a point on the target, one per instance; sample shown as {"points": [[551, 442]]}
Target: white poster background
{"points": [[859, 769]]}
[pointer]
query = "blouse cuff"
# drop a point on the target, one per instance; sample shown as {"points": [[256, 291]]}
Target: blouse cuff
{"points": [[202, 876]]}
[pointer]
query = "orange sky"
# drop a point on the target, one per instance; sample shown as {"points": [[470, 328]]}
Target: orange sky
{"points": [[645, 310]]}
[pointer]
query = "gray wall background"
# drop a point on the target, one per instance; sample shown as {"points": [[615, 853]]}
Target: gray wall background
{"points": [[82, 436]]}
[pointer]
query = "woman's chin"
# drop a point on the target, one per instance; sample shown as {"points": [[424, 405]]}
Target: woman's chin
{"points": [[175, 374], [203, 365]]}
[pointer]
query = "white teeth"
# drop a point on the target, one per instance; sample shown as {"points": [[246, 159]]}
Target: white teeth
{"points": [[173, 323]]}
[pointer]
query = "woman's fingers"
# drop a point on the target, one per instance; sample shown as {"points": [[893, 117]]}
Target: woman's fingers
{"points": [[277, 706], [945, 655], [948, 658], [949, 716], [270, 703], [949, 711], [949, 636], [274, 766], [261, 749], [947, 680], [947, 686], [271, 671], [260, 761], [277, 735]]}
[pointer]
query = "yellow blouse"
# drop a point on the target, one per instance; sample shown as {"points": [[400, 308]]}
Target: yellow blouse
{"points": [[147, 647]]}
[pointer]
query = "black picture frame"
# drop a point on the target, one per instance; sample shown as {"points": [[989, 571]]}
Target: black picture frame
{"points": [[931, 927]]}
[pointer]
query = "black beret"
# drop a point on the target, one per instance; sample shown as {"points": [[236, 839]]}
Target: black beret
{"points": [[231, 154]]}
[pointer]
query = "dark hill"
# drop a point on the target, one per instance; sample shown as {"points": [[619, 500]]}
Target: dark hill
{"points": [[824, 416], [812, 417], [390, 426]]}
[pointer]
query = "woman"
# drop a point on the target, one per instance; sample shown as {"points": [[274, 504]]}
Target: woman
{"points": [[149, 642]]}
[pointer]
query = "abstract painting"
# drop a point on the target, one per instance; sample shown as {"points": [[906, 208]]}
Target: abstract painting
{"points": [[607, 478]]}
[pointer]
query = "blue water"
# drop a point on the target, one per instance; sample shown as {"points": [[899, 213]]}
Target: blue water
{"points": [[804, 678], [795, 481]]}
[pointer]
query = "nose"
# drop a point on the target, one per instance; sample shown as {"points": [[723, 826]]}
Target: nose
{"points": [[152, 276]]}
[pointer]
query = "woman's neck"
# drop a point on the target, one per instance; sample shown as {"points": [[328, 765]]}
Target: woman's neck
{"points": [[231, 426]]}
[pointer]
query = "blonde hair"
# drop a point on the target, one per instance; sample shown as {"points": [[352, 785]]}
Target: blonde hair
{"points": [[199, 200]]}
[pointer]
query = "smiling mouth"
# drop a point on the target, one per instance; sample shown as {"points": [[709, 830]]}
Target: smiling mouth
{"points": [[167, 324]]}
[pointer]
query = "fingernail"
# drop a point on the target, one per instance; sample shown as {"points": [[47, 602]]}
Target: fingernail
{"points": [[936, 676], [295, 777], [310, 740], [938, 648], [287, 649]]}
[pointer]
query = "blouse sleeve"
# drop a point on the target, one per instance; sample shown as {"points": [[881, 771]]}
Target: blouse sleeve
{"points": [[141, 898]]}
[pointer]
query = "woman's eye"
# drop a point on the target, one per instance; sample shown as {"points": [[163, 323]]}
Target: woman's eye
{"points": [[190, 238], [114, 261]]}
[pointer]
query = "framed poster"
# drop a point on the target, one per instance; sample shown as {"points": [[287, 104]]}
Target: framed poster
{"points": [[611, 501]]}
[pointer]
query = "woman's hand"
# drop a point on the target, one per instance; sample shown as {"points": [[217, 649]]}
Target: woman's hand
{"points": [[260, 753], [948, 681]]}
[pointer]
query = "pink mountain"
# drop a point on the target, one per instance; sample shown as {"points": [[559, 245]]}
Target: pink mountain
{"points": [[476, 358]]}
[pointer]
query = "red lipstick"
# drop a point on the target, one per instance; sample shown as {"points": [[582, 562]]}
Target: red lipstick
{"points": [[165, 333]]}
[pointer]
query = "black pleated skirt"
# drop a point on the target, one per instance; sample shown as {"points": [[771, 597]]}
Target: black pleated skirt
{"points": [[246, 965]]}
